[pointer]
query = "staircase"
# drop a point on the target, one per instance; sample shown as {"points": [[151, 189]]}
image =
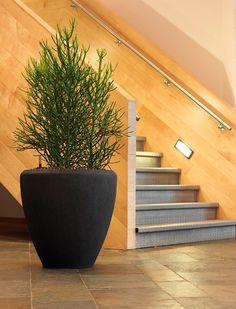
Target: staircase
{"points": [[167, 212]]}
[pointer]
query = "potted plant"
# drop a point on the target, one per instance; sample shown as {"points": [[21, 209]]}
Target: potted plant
{"points": [[75, 128]]}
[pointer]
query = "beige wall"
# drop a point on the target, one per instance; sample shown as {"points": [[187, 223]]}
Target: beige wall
{"points": [[198, 34]]}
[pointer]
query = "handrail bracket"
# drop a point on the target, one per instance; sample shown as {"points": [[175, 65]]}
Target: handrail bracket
{"points": [[167, 82]]}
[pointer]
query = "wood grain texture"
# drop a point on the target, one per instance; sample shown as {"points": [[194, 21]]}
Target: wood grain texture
{"points": [[21, 29], [20, 34], [166, 114]]}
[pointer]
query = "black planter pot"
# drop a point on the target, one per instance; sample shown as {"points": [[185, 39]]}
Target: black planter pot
{"points": [[68, 213]]}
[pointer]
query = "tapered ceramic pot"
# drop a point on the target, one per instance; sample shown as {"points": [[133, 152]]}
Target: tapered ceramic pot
{"points": [[68, 213]]}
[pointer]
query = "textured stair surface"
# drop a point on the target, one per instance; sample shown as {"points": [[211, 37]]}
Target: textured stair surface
{"points": [[168, 212], [148, 159], [157, 175], [177, 233], [166, 193], [174, 212]]}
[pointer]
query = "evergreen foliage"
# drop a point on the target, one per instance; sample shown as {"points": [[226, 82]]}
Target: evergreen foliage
{"points": [[69, 119]]}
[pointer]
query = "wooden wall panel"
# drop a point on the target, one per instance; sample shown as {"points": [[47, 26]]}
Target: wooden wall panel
{"points": [[19, 40], [166, 113], [20, 31]]}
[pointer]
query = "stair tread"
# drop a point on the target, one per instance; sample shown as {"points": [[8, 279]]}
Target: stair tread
{"points": [[145, 228], [184, 205], [141, 138], [158, 169], [166, 187], [149, 154]]}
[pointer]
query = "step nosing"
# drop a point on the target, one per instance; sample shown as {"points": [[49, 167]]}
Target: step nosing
{"points": [[141, 138], [149, 154], [166, 187], [176, 206], [179, 203], [184, 225], [158, 170]]}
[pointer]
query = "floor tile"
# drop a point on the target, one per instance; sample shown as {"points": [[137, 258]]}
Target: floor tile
{"points": [[217, 275], [200, 303], [181, 289], [175, 277], [150, 265], [169, 257], [51, 293], [164, 275], [112, 260], [15, 272], [65, 305], [158, 272], [129, 297], [117, 281], [15, 303], [43, 276], [223, 292], [203, 266], [14, 288], [111, 269]]}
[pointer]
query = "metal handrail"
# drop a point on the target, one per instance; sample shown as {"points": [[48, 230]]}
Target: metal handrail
{"points": [[168, 80]]}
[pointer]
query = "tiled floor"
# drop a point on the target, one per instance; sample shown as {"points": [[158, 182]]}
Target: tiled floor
{"points": [[188, 276]]}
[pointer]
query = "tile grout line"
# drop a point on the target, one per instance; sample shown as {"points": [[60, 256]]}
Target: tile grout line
{"points": [[194, 284], [88, 290], [187, 280], [30, 277], [155, 282]]}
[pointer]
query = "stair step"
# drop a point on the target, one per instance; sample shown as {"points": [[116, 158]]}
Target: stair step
{"points": [[157, 175], [175, 212], [166, 193], [177, 233], [149, 154], [182, 226], [148, 159], [140, 140], [160, 206]]}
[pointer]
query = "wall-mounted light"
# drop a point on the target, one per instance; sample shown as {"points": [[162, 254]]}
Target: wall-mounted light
{"points": [[184, 149]]}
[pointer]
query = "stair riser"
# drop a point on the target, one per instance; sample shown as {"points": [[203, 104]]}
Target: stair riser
{"points": [[166, 196], [174, 237], [139, 145], [174, 215], [147, 178], [148, 161]]}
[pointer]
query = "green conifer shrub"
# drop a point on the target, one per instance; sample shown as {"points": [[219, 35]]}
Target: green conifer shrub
{"points": [[69, 119]]}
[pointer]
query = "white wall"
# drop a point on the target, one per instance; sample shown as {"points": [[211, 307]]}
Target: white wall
{"points": [[198, 19], [228, 36], [199, 35], [211, 24]]}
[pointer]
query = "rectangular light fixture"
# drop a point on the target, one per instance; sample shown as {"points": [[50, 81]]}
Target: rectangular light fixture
{"points": [[184, 149]]}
